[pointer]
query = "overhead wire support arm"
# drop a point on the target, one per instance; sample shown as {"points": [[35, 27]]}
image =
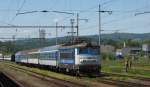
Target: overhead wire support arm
{"points": [[63, 12], [45, 11], [109, 12], [26, 12], [146, 12]]}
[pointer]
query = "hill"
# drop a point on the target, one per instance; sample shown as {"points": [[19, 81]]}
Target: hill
{"points": [[115, 39]]}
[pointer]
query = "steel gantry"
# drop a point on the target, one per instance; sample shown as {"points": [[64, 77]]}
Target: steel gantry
{"points": [[28, 26]]}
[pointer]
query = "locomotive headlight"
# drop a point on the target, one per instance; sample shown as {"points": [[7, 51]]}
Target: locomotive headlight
{"points": [[88, 60], [81, 60]]}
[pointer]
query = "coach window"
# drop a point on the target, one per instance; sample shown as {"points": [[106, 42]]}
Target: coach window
{"points": [[49, 55], [46, 55], [53, 55], [33, 55], [41, 56]]}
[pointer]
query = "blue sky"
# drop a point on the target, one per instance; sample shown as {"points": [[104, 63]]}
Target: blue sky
{"points": [[122, 18]]}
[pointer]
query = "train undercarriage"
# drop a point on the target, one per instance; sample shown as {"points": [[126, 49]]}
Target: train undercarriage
{"points": [[76, 70]]}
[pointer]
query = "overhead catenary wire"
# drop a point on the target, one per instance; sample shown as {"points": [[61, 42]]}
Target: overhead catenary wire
{"points": [[6, 23], [121, 11], [114, 10], [90, 9], [124, 17], [142, 13], [117, 20], [109, 1], [23, 3]]}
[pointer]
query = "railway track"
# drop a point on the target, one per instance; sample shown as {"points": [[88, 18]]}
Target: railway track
{"points": [[63, 83], [123, 75], [124, 83], [7, 82], [138, 82], [58, 82]]}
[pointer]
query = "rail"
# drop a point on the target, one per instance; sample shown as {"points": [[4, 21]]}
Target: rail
{"points": [[100, 79], [59, 82], [5, 81]]}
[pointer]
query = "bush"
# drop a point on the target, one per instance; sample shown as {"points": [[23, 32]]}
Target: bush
{"points": [[108, 56]]}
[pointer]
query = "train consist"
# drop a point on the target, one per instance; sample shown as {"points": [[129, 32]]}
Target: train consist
{"points": [[6, 57], [77, 58]]}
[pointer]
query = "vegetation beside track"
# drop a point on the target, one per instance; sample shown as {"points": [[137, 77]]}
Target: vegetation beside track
{"points": [[108, 78], [48, 73], [140, 68]]}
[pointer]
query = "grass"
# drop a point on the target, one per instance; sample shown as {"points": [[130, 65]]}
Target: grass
{"points": [[51, 74], [87, 81], [140, 67]]}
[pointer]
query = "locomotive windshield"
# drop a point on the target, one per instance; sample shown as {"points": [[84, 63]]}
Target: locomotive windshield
{"points": [[91, 51], [66, 55]]}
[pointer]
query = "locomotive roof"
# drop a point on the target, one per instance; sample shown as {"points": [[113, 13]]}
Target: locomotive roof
{"points": [[80, 45]]}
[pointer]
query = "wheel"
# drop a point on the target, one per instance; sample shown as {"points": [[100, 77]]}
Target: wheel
{"points": [[67, 70], [77, 73]]}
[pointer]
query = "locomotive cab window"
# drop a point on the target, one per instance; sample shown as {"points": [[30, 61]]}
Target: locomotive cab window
{"points": [[92, 51], [66, 55]]}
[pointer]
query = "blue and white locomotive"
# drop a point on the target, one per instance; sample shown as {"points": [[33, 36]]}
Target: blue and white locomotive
{"points": [[77, 58]]}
